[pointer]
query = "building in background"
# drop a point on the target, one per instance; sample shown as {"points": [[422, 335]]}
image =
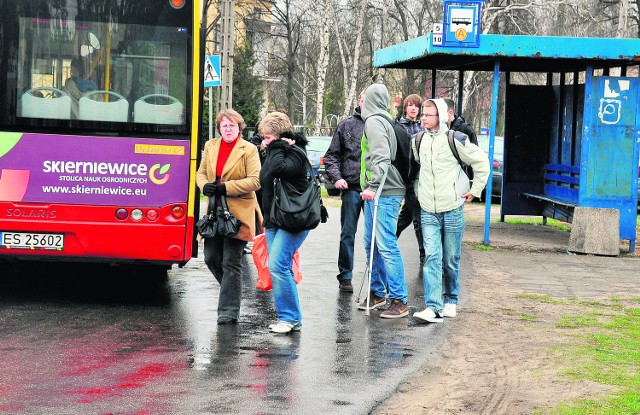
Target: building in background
{"points": [[252, 28]]}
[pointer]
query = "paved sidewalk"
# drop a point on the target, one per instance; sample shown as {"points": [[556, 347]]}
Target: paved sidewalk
{"points": [[536, 259]]}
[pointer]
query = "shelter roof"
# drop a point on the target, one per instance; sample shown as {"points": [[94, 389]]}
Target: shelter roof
{"points": [[516, 54]]}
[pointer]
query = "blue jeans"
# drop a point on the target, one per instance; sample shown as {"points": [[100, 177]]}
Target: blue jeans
{"points": [[387, 268], [442, 234], [349, 215], [281, 246]]}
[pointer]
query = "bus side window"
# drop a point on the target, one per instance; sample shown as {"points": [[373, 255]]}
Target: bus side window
{"points": [[122, 77]]}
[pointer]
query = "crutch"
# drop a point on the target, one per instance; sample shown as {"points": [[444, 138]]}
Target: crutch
{"points": [[385, 169], [364, 277]]}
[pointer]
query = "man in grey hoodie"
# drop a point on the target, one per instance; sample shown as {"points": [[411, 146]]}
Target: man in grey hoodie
{"points": [[379, 176]]}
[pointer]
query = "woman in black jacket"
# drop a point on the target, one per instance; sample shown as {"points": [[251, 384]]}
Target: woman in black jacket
{"points": [[285, 159]]}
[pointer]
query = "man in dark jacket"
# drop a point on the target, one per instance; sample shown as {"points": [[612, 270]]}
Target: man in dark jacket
{"points": [[457, 123], [342, 163]]}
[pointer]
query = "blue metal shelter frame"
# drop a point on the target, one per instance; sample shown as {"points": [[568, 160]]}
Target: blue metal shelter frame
{"points": [[573, 182]]}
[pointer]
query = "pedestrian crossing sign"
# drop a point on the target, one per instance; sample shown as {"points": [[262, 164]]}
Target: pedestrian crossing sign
{"points": [[212, 70]]}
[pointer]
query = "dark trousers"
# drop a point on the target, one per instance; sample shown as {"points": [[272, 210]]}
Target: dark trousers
{"points": [[410, 212], [349, 214], [223, 257]]}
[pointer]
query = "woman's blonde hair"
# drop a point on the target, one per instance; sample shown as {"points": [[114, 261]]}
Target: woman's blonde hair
{"points": [[232, 115], [275, 123]]}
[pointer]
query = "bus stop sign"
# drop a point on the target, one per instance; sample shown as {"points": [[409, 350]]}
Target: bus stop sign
{"points": [[461, 24]]}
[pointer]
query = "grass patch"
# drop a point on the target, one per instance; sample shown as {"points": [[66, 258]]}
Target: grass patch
{"points": [[561, 226], [623, 403], [478, 246], [604, 348], [543, 298], [327, 200]]}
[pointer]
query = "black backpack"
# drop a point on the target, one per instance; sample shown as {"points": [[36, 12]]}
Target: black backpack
{"points": [[404, 161], [450, 137]]}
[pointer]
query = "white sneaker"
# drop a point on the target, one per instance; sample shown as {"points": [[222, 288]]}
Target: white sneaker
{"points": [[285, 327], [428, 315], [449, 310]]}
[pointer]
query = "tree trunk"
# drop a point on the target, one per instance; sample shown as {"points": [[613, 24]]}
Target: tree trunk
{"points": [[351, 95], [623, 19], [344, 61], [323, 61]]}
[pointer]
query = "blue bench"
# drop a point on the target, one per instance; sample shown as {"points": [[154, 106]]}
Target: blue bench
{"points": [[561, 190]]}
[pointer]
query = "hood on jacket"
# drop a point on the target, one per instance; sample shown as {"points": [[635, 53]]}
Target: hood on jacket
{"points": [[443, 115], [299, 138], [376, 101]]}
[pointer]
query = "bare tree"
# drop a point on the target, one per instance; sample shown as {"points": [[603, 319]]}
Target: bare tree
{"points": [[350, 95], [623, 18], [316, 63], [412, 19], [323, 12], [287, 19]]}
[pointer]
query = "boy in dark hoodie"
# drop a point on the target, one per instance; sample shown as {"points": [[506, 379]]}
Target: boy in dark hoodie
{"points": [[410, 212]]}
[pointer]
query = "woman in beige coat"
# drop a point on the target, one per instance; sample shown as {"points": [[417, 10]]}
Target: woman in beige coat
{"points": [[230, 166]]}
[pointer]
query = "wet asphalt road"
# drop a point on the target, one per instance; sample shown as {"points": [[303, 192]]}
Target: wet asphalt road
{"points": [[106, 343]]}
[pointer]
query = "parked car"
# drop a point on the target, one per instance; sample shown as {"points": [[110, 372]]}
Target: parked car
{"points": [[498, 157], [316, 149], [324, 178]]}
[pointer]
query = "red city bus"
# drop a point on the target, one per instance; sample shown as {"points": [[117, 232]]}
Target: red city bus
{"points": [[99, 130]]}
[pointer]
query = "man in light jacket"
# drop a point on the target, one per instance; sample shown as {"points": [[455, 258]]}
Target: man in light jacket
{"points": [[442, 190]]}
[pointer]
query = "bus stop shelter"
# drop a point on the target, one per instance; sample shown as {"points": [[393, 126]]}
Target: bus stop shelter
{"points": [[570, 140]]}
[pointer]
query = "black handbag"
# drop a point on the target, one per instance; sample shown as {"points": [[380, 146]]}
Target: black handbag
{"points": [[226, 223], [218, 220], [207, 224], [294, 210]]}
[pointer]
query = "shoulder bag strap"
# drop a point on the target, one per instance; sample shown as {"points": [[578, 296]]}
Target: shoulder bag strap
{"points": [[418, 141], [454, 150], [223, 203], [211, 208]]}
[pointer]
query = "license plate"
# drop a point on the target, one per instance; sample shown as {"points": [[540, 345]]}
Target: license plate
{"points": [[29, 240]]}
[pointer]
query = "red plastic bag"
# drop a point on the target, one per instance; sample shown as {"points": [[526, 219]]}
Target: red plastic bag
{"points": [[261, 259]]}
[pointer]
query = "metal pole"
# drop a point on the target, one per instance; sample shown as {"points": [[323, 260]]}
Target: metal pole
{"points": [[433, 83], [226, 61], [492, 139], [210, 113], [460, 91]]}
